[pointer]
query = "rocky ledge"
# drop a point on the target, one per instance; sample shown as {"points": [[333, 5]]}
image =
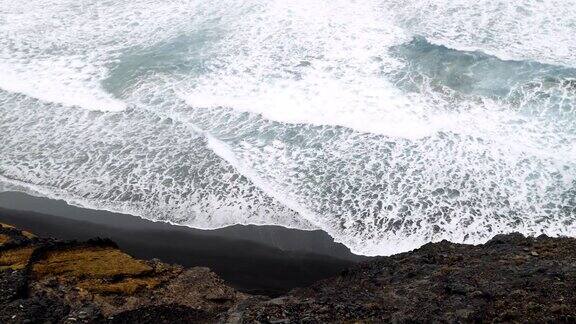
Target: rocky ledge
{"points": [[45, 280], [509, 279]]}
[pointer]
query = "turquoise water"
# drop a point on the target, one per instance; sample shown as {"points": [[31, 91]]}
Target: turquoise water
{"points": [[387, 124]]}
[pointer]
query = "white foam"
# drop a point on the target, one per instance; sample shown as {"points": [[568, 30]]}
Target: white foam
{"points": [[312, 62], [227, 154], [58, 82], [133, 162], [268, 85], [541, 31], [61, 51], [325, 63], [324, 102]]}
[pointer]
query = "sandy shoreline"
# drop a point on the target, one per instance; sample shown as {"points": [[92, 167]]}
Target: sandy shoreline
{"points": [[267, 259]]}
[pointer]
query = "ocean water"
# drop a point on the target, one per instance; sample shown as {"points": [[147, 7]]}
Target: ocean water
{"points": [[386, 123]]}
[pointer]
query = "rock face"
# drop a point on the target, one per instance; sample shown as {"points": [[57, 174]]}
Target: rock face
{"points": [[509, 279], [44, 280]]}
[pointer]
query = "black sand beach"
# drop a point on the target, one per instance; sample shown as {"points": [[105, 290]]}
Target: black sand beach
{"points": [[258, 259]]}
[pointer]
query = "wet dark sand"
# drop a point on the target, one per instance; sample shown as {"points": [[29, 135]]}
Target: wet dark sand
{"points": [[257, 259]]}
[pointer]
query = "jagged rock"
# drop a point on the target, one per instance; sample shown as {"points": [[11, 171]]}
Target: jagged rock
{"points": [[171, 313], [442, 282]]}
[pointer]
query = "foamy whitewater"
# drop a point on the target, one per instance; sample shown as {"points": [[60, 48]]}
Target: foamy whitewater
{"points": [[388, 123]]}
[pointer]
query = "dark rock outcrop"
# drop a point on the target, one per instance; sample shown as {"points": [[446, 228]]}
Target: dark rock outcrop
{"points": [[509, 279]]}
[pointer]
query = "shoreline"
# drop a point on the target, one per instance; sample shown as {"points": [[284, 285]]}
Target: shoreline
{"points": [[258, 259]]}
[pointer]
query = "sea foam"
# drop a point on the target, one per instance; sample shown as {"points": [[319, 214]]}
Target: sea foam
{"points": [[387, 124]]}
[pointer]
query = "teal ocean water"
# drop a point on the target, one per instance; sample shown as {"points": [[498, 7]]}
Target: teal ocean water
{"points": [[388, 124]]}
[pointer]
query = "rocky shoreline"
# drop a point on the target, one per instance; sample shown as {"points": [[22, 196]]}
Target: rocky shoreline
{"points": [[509, 279], [46, 280]]}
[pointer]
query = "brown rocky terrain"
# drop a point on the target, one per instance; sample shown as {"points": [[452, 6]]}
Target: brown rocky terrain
{"points": [[509, 279], [44, 280]]}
